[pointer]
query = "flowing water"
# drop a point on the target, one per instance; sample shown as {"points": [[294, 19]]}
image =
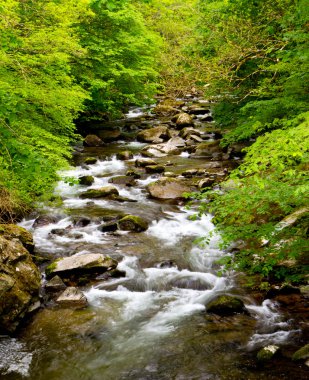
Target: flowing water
{"points": [[152, 323]]}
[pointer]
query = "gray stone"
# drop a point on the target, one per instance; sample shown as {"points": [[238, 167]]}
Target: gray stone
{"points": [[93, 141], [55, 284], [168, 188], [72, 297]]}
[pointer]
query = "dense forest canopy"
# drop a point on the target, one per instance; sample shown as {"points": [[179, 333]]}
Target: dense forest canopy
{"points": [[63, 60]]}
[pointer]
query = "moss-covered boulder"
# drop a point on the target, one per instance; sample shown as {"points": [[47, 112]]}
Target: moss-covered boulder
{"points": [[124, 155], [103, 192], [93, 141], [90, 160], [267, 353], [143, 162], [86, 265], [226, 305], [168, 188], [165, 110], [184, 120], [302, 353], [12, 231], [133, 223], [86, 180], [209, 149], [20, 282], [153, 135]]}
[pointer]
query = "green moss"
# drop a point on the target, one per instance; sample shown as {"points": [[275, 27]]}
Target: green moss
{"points": [[133, 223], [302, 353]]}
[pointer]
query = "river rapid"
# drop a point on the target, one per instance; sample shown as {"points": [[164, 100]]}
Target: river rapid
{"points": [[153, 322]]}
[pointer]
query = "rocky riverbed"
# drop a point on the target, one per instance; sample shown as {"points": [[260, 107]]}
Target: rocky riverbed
{"points": [[126, 293]]}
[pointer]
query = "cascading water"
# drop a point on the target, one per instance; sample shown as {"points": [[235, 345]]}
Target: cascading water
{"points": [[151, 323]]}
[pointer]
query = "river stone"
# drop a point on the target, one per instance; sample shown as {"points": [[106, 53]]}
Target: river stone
{"points": [[93, 141], [187, 132], [168, 188], [164, 110], [152, 169], [123, 180], [102, 192], [184, 120], [302, 353], [226, 305], [80, 264], [267, 353], [173, 146], [143, 162], [124, 155], [108, 135], [12, 231], [55, 285], [198, 111], [72, 297], [44, 220], [149, 151], [90, 160], [153, 135], [133, 223], [208, 149], [133, 173], [20, 282], [206, 182], [86, 180], [109, 227]]}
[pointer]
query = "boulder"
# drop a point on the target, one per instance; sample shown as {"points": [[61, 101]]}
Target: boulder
{"points": [[208, 118], [206, 182], [153, 135], [164, 110], [133, 173], [93, 141], [198, 111], [124, 155], [108, 135], [79, 265], [12, 231], [208, 149], [44, 220], [90, 160], [72, 297], [226, 305], [133, 223], [86, 180], [184, 120], [81, 222], [20, 282], [152, 169], [149, 151], [123, 180], [173, 146], [109, 227], [302, 353], [168, 188], [267, 353], [185, 133], [143, 162], [103, 192]]}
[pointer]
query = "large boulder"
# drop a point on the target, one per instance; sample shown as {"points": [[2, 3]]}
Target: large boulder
{"points": [[173, 146], [93, 141], [168, 188], [103, 192], [226, 305], [210, 149], [80, 266], [108, 135], [20, 282], [165, 110], [153, 135], [133, 223], [12, 231], [187, 132], [44, 220]]}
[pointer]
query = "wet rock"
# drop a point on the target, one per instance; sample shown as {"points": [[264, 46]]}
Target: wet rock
{"points": [[72, 297], [190, 173], [109, 135], [133, 173], [93, 141], [173, 146], [152, 152], [226, 305], [153, 169], [19, 283], [109, 227], [198, 111], [124, 155], [208, 149], [153, 135], [184, 120], [168, 188], [302, 353], [80, 265], [59, 231], [102, 192], [206, 182], [123, 180], [120, 198], [133, 223], [185, 133], [143, 162], [90, 160], [267, 353], [12, 231], [86, 180], [208, 118], [170, 174], [167, 264], [44, 220], [81, 222], [55, 285]]}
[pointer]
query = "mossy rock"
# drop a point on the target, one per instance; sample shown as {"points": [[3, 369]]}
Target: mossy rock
{"points": [[103, 192], [152, 169], [267, 353], [123, 180], [90, 160], [226, 305], [86, 180], [12, 231], [133, 223], [124, 155], [302, 353]]}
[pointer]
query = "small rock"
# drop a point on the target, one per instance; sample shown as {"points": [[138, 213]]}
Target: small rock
{"points": [[72, 297], [302, 353], [86, 180], [152, 169], [133, 173], [184, 120], [143, 162], [109, 227], [133, 223], [226, 305], [206, 182], [267, 353], [165, 110], [187, 132], [90, 160], [123, 180], [44, 220], [81, 222], [168, 188], [124, 155], [173, 146], [152, 135], [102, 192], [55, 285]]}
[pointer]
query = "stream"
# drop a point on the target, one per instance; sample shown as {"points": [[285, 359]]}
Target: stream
{"points": [[151, 323]]}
